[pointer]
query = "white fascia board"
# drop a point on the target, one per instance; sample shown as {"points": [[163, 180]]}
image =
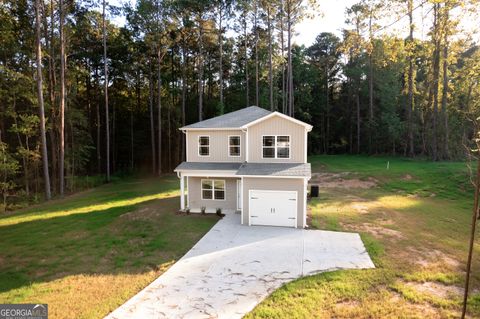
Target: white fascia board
{"points": [[204, 173], [271, 176], [210, 128]]}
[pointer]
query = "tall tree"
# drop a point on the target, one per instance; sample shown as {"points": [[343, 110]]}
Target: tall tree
{"points": [[41, 108], [61, 167], [268, 10], [105, 65], [255, 30], [410, 79], [159, 18], [435, 77]]}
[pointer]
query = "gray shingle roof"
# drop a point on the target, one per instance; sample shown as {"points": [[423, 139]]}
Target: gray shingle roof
{"points": [[208, 166], [234, 119], [250, 169], [275, 169]]}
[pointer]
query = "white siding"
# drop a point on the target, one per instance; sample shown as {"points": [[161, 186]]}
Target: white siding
{"points": [[277, 126], [196, 202], [218, 146], [282, 184]]}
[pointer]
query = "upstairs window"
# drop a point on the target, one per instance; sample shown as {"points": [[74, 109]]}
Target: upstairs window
{"points": [[276, 146], [268, 147], [283, 147], [213, 189], [234, 146], [204, 145]]}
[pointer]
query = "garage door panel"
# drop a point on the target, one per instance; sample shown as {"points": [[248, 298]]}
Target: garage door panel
{"points": [[275, 208]]}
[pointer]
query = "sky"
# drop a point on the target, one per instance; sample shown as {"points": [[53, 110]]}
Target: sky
{"points": [[331, 18]]}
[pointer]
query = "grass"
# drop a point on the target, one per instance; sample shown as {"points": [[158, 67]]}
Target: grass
{"points": [[88, 253], [415, 225]]}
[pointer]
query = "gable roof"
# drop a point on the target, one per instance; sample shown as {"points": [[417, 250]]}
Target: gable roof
{"points": [[241, 119], [235, 119]]}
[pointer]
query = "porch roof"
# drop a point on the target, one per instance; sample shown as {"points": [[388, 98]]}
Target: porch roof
{"points": [[207, 166], [275, 169]]}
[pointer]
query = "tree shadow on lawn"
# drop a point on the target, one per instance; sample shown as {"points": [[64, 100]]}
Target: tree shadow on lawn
{"points": [[116, 194], [128, 239]]}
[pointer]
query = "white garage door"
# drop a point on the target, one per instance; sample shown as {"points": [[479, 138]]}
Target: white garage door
{"points": [[273, 208]]}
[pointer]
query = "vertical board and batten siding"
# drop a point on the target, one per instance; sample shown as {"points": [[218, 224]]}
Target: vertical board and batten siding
{"points": [[277, 126], [272, 184], [196, 202], [218, 146]]}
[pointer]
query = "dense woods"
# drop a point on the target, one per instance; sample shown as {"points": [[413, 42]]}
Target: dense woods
{"points": [[83, 96]]}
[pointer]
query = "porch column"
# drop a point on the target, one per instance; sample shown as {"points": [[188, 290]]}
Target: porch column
{"points": [[182, 192]]}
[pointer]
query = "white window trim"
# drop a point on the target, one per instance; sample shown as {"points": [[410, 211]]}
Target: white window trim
{"points": [[198, 145], [275, 147], [213, 189], [239, 146]]}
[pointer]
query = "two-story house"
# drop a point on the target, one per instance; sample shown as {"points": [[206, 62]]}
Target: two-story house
{"points": [[251, 161]]}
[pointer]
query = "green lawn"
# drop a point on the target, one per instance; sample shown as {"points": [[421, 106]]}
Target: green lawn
{"points": [[88, 253], [415, 224]]}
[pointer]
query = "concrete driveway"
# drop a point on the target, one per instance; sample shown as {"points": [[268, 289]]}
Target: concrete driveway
{"points": [[234, 267]]}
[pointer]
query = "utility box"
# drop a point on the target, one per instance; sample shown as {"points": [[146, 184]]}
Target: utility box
{"points": [[314, 191]]}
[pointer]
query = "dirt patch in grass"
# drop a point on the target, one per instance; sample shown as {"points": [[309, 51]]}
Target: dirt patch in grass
{"points": [[436, 289], [376, 231], [145, 213], [339, 180], [431, 258], [360, 208]]}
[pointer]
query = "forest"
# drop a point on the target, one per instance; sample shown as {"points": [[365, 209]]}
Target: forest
{"points": [[84, 98]]}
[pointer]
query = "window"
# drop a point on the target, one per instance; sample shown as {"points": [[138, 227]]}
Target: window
{"points": [[276, 146], [213, 189], [269, 147], [204, 145], [283, 146], [234, 146]]}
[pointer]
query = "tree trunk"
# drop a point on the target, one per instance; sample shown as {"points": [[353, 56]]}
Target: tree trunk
{"points": [[114, 140], [220, 61], [159, 114], [52, 82], [446, 151], [282, 45], [99, 153], [357, 96], [257, 94], [270, 64], [107, 121], [436, 76], [200, 69], [410, 97], [247, 102], [184, 95], [152, 125], [61, 167], [131, 141], [41, 108], [370, 88], [327, 107], [289, 67]]}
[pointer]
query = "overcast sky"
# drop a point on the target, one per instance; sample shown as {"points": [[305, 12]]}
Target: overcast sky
{"points": [[331, 18]]}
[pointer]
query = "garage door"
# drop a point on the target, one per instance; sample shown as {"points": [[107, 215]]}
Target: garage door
{"points": [[273, 208]]}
